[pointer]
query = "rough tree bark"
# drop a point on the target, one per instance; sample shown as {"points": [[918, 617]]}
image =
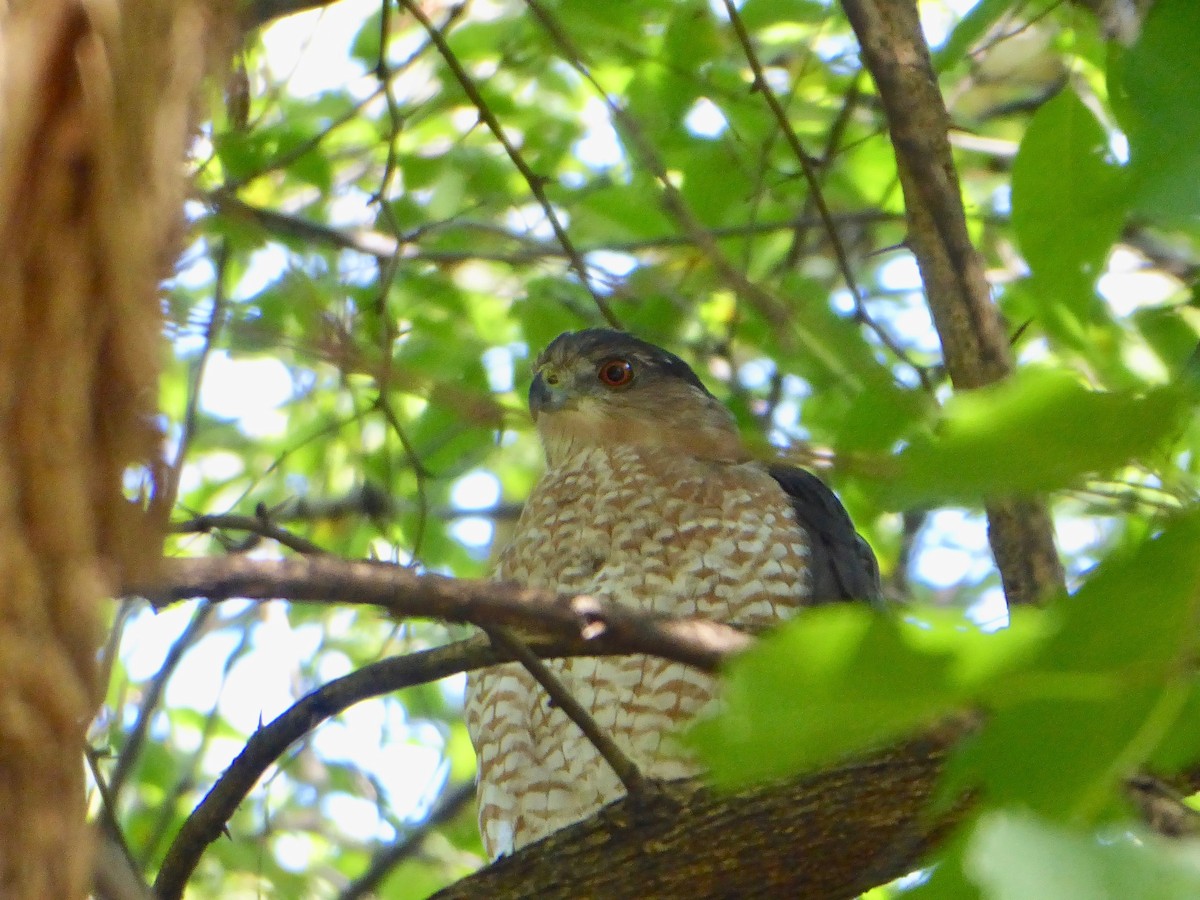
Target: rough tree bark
{"points": [[832, 835], [96, 96]]}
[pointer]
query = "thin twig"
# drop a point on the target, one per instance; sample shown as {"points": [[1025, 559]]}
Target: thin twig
{"points": [[260, 525], [381, 245], [170, 490], [624, 767], [532, 179], [158, 832], [137, 735], [453, 801], [115, 874], [809, 167], [419, 472]]}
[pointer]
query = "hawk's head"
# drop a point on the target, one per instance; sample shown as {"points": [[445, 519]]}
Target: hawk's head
{"points": [[602, 386]]}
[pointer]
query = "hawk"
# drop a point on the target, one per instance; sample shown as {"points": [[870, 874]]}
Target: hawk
{"points": [[649, 500]]}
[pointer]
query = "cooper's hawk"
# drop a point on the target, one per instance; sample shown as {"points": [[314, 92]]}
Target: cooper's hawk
{"points": [[649, 500]]}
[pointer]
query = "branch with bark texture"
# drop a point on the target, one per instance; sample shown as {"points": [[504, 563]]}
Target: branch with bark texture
{"points": [[830, 835], [577, 621], [208, 821], [974, 342]]}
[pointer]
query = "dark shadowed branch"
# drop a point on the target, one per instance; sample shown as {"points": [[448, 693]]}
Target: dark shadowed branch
{"points": [[625, 768], [207, 822], [831, 835]]}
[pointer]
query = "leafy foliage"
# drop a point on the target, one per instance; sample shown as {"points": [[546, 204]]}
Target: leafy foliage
{"points": [[368, 274]]}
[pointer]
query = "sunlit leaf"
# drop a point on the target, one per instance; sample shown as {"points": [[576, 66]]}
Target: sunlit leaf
{"points": [[1014, 856], [1038, 432], [1068, 198], [843, 679]]}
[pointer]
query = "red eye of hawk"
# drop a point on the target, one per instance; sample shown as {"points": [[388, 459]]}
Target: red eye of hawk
{"points": [[615, 373]]}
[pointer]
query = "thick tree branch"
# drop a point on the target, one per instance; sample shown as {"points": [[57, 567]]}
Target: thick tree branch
{"points": [[974, 343], [860, 824], [577, 622], [831, 835], [267, 745]]}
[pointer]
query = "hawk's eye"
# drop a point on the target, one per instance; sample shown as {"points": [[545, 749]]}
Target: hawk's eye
{"points": [[616, 373]]}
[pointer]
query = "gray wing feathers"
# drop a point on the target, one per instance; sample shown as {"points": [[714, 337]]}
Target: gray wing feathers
{"points": [[843, 564]]}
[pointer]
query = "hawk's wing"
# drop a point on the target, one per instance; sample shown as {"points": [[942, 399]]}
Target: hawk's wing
{"points": [[843, 567]]}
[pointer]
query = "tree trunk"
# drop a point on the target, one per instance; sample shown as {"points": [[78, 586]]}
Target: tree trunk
{"points": [[96, 99]]}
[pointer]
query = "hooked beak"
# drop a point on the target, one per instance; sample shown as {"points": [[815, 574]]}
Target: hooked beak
{"points": [[544, 397]]}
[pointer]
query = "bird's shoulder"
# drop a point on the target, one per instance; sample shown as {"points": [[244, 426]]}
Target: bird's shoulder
{"points": [[843, 566]]}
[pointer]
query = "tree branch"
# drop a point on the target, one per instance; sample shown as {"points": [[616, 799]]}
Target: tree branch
{"points": [[841, 818], [207, 822], [453, 801], [974, 343], [577, 622], [535, 182], [380, 245], [136, 739], [625, 768], [258, 526], [830, 835]]}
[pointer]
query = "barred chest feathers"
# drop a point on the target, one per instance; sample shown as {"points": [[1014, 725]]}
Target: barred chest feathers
{"points": [[657, 532], [663, 533]]}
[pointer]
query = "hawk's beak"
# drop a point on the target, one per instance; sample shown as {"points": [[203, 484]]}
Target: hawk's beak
{"points": [[544, 397]]}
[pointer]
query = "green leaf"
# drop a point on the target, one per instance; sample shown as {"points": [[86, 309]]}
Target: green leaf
{"points": [[881, 415], [970, 28], [1108, 689], [841, 679], [1180, 746], [760, 14], [1068, 198], [1136, 611], [1054, 753], [1038, 431], [1157, 83], [1016, 856]]}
